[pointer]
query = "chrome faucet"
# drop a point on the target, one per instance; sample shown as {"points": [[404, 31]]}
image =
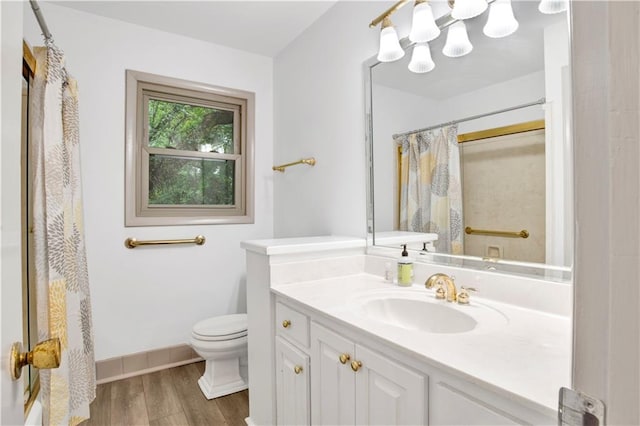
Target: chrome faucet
{"points": [[440, 280]]}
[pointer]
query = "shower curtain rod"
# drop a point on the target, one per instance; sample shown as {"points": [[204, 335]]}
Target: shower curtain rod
{"points": [[40, 18], [473, 117]]}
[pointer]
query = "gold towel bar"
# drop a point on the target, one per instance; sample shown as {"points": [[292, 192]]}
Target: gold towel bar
{"points": [[310, 161], [521, 234], [133, 243]]}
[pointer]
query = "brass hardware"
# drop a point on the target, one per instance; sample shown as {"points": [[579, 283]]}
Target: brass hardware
{"points": [[309, 161], [297, 369], [133, 243], [355, 365], [28, 57], [511, 234], [440, 280], [388, 13], [463, 296], [440, 292], [45, 355], [286, 323], [344, 358], [502, 131]]}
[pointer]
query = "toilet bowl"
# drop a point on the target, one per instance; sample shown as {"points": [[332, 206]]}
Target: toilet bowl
{"points": [[222, 343]]}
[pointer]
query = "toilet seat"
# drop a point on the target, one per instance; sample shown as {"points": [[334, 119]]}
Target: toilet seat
{"points": [[226, 327]]}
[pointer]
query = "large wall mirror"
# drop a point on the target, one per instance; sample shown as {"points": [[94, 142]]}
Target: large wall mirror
{"points": [[471, 162]]}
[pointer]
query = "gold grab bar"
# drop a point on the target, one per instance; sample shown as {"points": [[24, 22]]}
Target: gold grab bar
{"points": [[511, 234], [133, 243], [310, 161]]}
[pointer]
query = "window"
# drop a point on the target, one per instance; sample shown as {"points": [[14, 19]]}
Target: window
{"points": [[189, 152]]}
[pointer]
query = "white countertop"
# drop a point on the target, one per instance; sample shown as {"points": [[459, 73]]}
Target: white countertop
{"points": [[526, 357], [302, 244]]}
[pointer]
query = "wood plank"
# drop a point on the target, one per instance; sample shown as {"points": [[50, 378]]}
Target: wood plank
{"points": [[197, 409], [160, 395], [178, 419], [234, 407], [128, 405], [100, 408]]}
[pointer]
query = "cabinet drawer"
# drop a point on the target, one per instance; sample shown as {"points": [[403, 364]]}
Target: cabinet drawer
{"points": [[292, 325]]}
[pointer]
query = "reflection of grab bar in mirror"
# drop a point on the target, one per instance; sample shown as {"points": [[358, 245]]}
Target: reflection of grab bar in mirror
{"points": [[510, 234]]}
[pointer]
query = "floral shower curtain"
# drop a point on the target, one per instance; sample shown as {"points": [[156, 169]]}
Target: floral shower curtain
{"points": [[62, 282], [430, 186]]}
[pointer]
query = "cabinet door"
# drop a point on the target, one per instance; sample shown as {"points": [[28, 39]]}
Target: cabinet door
{"points": [[292, 385], [388, 393], [452, 406], [332, 382]]}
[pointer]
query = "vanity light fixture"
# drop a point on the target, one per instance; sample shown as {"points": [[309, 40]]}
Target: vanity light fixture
{"points": [[423, 25], [457, 43], [421, 61], [390, 49], [552, 6], [501, 21], [467, 9]]}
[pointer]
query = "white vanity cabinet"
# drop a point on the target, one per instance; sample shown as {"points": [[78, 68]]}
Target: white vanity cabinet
{"points": [[292, 384], [352, 384], [329, 375], [292, 366]]}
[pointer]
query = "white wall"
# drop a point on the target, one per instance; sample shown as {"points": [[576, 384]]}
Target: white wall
{"points": [[393, 111], [559, 164], [150, 297], [510, 93], [319, 111]]}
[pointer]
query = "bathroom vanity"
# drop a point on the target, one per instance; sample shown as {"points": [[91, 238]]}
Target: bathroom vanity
{"points": [[330, 342]]}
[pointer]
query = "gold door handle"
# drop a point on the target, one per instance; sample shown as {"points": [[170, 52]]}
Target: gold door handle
{"points": [[45, 355], [355, 365], [344, 358], [297, 369], [286, 323]]}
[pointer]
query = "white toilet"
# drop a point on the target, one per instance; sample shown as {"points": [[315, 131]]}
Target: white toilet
{"points": [[222, 342]]}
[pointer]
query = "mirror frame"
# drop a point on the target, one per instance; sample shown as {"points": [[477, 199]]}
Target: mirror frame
{"points": [[563, 274]]}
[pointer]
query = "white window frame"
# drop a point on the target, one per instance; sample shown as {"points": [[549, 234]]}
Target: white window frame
{"points": [[140, 87]]}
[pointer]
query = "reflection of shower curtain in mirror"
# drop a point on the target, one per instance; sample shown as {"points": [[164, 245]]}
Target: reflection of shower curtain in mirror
{"points": [[430, 189]]}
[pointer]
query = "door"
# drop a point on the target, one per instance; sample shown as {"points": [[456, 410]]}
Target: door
{"points": [[11, 392], [332, 379], [388, 393], [292, 385]]}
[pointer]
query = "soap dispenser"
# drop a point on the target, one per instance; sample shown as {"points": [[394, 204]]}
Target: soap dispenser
{"points": [[405, 268]]}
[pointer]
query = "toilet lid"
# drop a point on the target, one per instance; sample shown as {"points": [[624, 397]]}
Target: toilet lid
{"points": [[224, 327]]}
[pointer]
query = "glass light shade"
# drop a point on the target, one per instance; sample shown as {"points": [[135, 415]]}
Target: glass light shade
{"points": [[458, 43], [421, 61], [390, 49], [552, 6], [501, 21], [423, 26], [466, 9]]}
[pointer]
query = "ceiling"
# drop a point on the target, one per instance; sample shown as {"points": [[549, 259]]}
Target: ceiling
{"points": [[492, 61], [262, 27]]}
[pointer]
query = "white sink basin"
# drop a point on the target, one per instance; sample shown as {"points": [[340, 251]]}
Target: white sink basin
{"points": [[419, 315], [420, 311]]}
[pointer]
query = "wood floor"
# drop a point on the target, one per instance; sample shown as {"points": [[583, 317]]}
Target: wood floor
{"points": [[165, 398]]}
